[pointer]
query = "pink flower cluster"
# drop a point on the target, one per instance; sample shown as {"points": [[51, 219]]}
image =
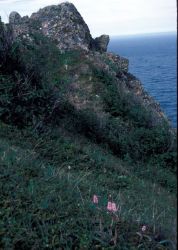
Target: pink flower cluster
{"points": [[111, 206], [95, 199]]}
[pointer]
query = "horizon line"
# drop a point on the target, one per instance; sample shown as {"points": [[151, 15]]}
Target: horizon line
{"points": [[146, 33]]}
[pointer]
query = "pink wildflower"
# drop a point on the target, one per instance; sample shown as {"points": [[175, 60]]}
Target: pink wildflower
{"points": [[95, 199], [144, 228], [109, 206], [114, 208]]}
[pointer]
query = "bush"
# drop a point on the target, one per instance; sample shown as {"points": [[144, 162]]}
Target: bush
{"points": [[137, 143], [119, 103], [20, 104], [28, 78]]}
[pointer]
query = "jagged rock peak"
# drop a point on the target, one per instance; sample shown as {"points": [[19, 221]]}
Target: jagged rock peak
{"points": [[62, 23]]}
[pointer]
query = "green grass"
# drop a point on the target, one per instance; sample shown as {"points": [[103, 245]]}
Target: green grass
{"points": [[46, 205]]}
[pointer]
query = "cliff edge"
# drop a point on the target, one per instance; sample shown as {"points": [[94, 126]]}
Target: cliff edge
{"points": [[64, 25]]}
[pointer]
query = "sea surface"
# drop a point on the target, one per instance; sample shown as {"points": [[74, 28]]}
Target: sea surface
{"points": [[152, 59]]}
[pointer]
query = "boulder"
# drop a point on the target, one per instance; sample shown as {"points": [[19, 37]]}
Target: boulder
{"points": [[101, 43]]}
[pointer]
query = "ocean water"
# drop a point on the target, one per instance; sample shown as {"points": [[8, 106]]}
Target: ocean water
{"points": [[152, 59]]}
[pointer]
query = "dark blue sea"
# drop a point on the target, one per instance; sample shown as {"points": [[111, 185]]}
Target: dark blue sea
{"points": [[152, 59]]}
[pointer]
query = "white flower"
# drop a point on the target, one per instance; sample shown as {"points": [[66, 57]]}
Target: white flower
{"points": [[143, 228]]}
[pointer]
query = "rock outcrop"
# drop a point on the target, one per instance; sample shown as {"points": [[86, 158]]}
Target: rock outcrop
{"points": [[14, 18], [101, 43], [62, 23]]}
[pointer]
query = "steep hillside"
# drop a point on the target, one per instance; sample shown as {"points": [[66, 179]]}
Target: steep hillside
{"points": [[77, 131]]}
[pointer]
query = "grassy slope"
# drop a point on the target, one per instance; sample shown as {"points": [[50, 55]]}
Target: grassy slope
{"points": [[43, 201], [50, 172]]}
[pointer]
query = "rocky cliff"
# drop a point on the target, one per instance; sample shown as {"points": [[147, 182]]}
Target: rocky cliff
{"points": [[65, 26], [63, 23]]}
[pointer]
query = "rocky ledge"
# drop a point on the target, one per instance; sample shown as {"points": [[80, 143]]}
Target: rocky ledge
{"points": [[63, 23]]}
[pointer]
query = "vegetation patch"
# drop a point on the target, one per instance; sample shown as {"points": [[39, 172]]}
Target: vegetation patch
{"points": [[79, 178]]}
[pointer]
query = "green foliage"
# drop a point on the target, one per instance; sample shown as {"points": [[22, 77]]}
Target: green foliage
{"points": [[30, 81], [122, 104], [52, 205], [137, 143], [20, 104], [139, 140], [32, 89], [6, 41], [54, 157]]}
